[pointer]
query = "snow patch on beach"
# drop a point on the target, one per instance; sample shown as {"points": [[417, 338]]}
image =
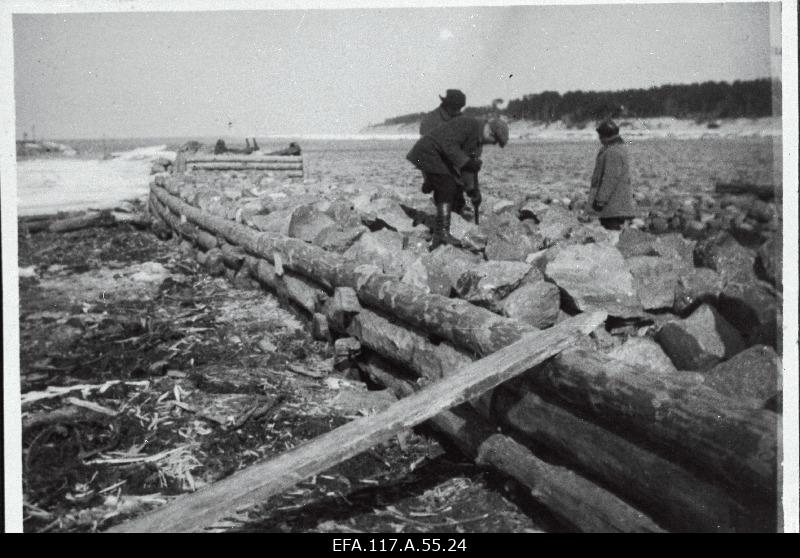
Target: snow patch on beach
{"points": [[51, 185], [642, 128]]}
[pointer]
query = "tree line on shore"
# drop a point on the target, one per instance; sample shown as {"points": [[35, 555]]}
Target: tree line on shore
{"points": [[702, 102]]}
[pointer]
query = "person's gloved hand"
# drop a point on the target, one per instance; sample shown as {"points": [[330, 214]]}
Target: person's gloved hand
{"points": [[475, 197], [598, 206], [473, 165]]}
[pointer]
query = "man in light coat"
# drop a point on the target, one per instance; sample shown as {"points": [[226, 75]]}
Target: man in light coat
{"points": [[610, 193], [444, 154]]}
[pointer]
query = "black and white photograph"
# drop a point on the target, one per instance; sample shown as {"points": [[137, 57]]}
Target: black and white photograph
{"points": [[399, 272]]}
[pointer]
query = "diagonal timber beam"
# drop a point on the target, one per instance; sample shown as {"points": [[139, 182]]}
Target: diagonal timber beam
{"points": [[261, 481]]}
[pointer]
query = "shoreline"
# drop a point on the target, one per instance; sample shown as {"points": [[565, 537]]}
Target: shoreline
{"points": [[649, 128]]}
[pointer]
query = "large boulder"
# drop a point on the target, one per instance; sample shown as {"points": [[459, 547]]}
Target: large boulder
{"points": [[467, 233], [700, 341], [344, 214], [557, 223], [753, 309], [274, 222], [382, 249], [507, 239], [696, 286], [725, 255], [533, 209], [594, 276], [486, 284], [643, 352], [676, 247], [307, 222], [768, 260], [387, 213], [655, 279], [753, 374], [536, 304], [335, 239], [592, 232], [634, 243], [445, 265]]}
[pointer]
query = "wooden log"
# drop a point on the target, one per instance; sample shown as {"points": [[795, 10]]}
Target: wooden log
{"points": [[206, 240], [258, 482], [467, 326], [666, 491], [480, 331], [404, 345], [763, 191], [297, 289], [183, 228], [138, 220], [669, 493], [253, 158], [233, 256], [246, 166], [341, 308], [93, 219], [694, 421], [282, 174], [574, 499]]}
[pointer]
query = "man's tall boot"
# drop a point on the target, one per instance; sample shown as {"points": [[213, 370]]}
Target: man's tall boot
{"points": [[441, 229]]}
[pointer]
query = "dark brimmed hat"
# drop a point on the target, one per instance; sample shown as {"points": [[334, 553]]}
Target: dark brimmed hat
{"points": [[500, 130], [454, 97], [607, 129]]}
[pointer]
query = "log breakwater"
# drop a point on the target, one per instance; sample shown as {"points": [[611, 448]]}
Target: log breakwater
{"points": [[604, 444]]}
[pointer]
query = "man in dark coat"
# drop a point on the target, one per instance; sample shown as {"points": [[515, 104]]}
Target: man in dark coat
{"points": [[610, 193], [450, 108], [444, 154]]}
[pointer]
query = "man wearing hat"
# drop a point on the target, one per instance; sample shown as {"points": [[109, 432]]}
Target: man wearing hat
{"points": [[444, 155], [610, 193], [452, 103]]}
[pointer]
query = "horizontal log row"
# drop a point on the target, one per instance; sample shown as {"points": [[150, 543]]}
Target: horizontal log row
{"points": [[245, 159], [678, 499], [295, 167]]}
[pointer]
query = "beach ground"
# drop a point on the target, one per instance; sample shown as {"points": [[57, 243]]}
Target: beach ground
{"points": [[180, 379]]}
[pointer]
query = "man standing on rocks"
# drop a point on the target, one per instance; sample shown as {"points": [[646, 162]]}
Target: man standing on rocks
{"points": [[610, 193], [444, 154], [450, 108]]}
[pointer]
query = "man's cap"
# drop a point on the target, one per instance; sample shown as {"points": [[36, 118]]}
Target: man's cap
{"points": [[454, 97], [499, 129], [607, 129]]}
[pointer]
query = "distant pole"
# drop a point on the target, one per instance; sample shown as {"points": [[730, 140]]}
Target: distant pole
{"points": [[33, 133]]}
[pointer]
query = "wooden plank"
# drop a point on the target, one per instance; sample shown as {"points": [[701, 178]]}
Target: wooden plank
{"points": [[259, 482]]}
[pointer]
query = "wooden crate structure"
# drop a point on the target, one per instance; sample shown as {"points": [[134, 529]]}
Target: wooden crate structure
{"points": [[287, 165]]}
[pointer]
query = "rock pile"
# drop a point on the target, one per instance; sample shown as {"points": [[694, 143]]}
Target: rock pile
{"points": [[679, 301]]}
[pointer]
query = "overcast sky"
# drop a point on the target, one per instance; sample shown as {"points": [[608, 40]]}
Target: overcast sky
{"points": [[335, 71]]}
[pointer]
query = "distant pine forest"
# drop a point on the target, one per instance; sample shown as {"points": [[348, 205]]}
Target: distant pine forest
{"points": [[702, 102]]}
